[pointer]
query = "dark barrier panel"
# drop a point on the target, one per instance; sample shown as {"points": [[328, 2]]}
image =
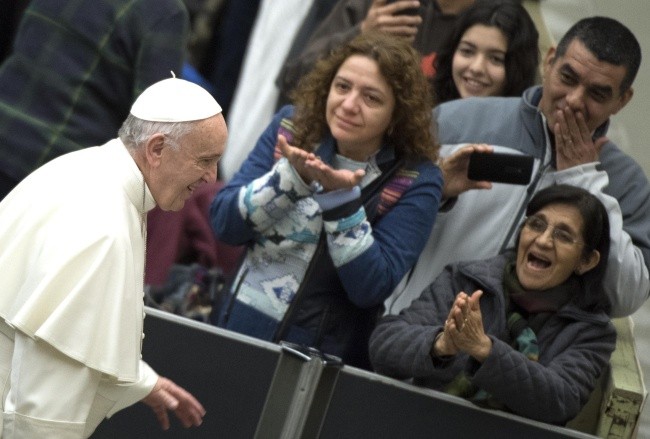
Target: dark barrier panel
{"points": [[230, 375], [366, 405]]}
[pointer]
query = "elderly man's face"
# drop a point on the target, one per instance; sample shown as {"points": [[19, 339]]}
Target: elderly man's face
{"points": [[182, 170], [580, 81]]}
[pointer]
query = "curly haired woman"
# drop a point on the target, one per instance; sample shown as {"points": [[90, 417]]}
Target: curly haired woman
{"points": [[333, 201]]}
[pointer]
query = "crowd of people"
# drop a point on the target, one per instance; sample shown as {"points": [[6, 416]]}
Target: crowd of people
{"points": [[361, 234]]}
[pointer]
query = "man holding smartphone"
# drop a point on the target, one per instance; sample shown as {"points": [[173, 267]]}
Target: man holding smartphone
{"points": [[562, 124]]}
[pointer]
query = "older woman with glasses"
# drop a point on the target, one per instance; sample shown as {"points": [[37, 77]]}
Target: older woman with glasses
{"points": [[526, 331]]}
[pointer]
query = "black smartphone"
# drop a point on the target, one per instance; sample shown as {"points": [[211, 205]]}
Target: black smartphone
{"points": [[500, 167], [407, 11]]}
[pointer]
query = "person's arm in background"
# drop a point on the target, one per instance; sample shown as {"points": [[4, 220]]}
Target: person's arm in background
{"points": [[600, 167], [163, 27], [630, 244], [342, 24], [625, 193], [318, 11], [348, 19]]}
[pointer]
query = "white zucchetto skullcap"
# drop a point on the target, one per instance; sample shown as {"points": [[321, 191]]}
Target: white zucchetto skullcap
{"points": [[175, 100]]}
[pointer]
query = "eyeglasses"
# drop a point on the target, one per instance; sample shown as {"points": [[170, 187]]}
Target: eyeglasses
{"points": [[538, 225]]}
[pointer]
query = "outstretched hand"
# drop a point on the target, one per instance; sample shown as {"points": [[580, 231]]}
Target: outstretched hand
{"points": [[166, 395], [311, 168], [454, 171]]}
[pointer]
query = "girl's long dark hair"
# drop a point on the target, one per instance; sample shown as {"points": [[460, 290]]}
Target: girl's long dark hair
{"points": [[522, 57]]}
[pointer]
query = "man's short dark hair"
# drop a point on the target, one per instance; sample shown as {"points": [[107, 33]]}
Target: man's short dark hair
{"points": [[610, 41]]}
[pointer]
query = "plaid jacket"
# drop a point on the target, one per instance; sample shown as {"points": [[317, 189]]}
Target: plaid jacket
{"points": [[75, 69]]}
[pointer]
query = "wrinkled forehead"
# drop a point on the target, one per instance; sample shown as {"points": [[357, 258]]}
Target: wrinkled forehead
{"points": [[580, 61], [207, 137]]}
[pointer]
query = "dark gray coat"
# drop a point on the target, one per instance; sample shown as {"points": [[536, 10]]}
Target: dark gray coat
{"points": [[575, 347]]}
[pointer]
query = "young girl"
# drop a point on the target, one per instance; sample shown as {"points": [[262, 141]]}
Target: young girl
{"points": [[492, 52]]}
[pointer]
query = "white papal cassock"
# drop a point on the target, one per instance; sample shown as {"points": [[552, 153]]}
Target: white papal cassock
{"points": [[71, 294]]}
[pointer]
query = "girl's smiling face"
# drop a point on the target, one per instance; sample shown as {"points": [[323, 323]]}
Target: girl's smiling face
{"points": [[478, 65]]}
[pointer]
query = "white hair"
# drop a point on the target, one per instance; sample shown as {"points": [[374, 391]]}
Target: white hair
{"points": [[134, 132]]}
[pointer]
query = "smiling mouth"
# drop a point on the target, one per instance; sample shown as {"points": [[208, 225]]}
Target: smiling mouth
{"points": [[537, 262], [474, 83]]}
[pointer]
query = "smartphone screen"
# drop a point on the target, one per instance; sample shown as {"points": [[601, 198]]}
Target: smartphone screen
{"points": [[500, 167]]}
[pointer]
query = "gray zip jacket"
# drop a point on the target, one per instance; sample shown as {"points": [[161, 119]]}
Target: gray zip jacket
{"points": [[482, 223]]}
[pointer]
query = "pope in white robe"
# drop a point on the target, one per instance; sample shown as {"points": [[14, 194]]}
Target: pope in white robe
{"points": [[72, 251]]}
